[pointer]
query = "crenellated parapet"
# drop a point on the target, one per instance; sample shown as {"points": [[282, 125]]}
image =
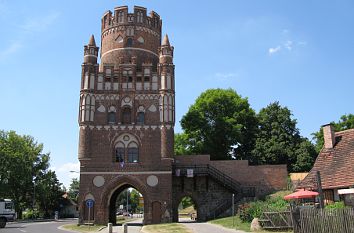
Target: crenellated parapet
{"points": [[121, 17], [130, 37]]}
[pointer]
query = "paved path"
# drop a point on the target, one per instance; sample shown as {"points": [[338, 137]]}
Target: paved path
{"points": [[209, 228], [36, 227]]}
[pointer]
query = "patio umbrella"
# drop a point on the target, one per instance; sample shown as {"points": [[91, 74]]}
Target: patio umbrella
{"points": [[301, 194]]}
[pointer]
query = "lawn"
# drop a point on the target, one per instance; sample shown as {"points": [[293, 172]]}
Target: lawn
{"points": [[82, 228], [238, 224], [233, 224], [169, 227]]}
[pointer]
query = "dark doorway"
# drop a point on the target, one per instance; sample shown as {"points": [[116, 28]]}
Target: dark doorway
{"points": [[126, 205], [156, 212]]}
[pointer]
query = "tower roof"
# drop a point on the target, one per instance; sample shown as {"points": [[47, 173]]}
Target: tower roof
{"points": [[92, 41], [165, 41]]}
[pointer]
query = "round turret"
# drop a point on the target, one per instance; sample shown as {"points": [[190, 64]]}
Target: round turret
{"points": [[130, 37]]}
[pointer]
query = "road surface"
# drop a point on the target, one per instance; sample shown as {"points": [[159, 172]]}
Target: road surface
{"points": [[36, 227]]}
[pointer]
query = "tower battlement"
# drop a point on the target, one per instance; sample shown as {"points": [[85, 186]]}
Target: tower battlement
{"points": [[122, 17]]}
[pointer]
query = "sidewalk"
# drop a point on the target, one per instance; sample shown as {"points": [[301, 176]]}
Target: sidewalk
{"points": [[209, 228], [119, 229]]}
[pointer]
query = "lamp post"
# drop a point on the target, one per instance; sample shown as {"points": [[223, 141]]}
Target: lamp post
{"points": [[34, 194]]}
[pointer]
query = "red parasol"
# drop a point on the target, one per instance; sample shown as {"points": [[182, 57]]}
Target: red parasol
{"points": [[301, 194]]}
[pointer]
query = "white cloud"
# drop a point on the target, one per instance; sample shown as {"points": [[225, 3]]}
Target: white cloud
{"points": [[11, 49], [67, 167], [288, 45], [64, 172], [271, 51], [226, 75], [38, 24], [30, 26]]}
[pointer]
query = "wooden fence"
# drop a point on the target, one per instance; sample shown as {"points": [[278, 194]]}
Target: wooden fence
{"points": [[324, 220], [276, 220]]}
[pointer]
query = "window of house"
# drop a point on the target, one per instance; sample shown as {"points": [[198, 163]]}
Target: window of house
{"points": [[100, 82], [86, 81], [124, 83], [154, 83], [129, 42], [121, 17], [120, 154], [111, 117], [126, 116], [140, 118], [133, 153], [139, 17], [88, 108], [130, 32]]}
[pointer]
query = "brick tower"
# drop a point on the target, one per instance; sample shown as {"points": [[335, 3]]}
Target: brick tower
{"points": [[127, 116]]}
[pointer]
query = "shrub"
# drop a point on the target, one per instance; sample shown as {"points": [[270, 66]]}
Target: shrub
{"points": [[255, 209], [336, 205]]}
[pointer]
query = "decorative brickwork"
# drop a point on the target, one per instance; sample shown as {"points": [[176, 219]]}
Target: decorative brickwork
{"points": [[126, 139]]}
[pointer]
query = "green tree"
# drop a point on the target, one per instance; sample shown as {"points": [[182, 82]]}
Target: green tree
{"points": [[345, 122], [74, 189], [182, 144], [134, 199], [279, 141], [220, 123], [48, 193], [21, 164]]}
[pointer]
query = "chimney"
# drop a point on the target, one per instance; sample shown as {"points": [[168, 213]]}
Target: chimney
{"points": [[328, 136]]}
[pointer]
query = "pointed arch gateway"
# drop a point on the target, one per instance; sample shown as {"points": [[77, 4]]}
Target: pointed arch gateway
{"points": [[110, 194]]}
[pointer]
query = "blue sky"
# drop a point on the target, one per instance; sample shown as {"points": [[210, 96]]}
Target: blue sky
{"points": [[300, 53]]}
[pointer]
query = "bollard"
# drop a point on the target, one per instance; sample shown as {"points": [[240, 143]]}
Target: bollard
{"points": [[109, 227], [125, 228]]}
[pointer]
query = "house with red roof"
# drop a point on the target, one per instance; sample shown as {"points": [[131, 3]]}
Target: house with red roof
{"points": [[335, 163]]}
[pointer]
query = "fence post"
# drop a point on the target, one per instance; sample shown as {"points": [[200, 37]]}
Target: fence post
{"points": [[109, 227], [125, 228]]}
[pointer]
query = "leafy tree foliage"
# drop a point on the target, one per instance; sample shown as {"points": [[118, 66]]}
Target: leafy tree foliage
{"points": [[345, 122], [220, 123], [48, 193], [74, 189], [279, 141], [23, 167], [133, 199], [182, 145]]}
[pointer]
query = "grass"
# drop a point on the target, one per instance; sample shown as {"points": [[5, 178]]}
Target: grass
{"points": [[82, 228], [228, 223], [238, 224], [169, 227]]}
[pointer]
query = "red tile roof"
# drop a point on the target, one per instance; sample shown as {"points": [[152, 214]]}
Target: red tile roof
{"points": [[336, 165]]}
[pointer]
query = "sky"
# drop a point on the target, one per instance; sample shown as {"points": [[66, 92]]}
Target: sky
{"points": [[300, 53]]}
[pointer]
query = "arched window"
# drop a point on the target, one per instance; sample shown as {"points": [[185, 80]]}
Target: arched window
{"points": [[111, 117], [133, 153], [86, 80], [129, 42], [140, 118], [126, 115], [165, 107], [121, 17], [119, 155], [139, 17]]}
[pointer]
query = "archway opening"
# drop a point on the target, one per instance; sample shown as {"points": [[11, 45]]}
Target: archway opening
{"points": [[126, 205], [187, 210]]}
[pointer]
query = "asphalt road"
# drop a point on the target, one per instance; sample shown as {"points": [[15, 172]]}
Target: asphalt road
{"points": [[36, 227]]}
